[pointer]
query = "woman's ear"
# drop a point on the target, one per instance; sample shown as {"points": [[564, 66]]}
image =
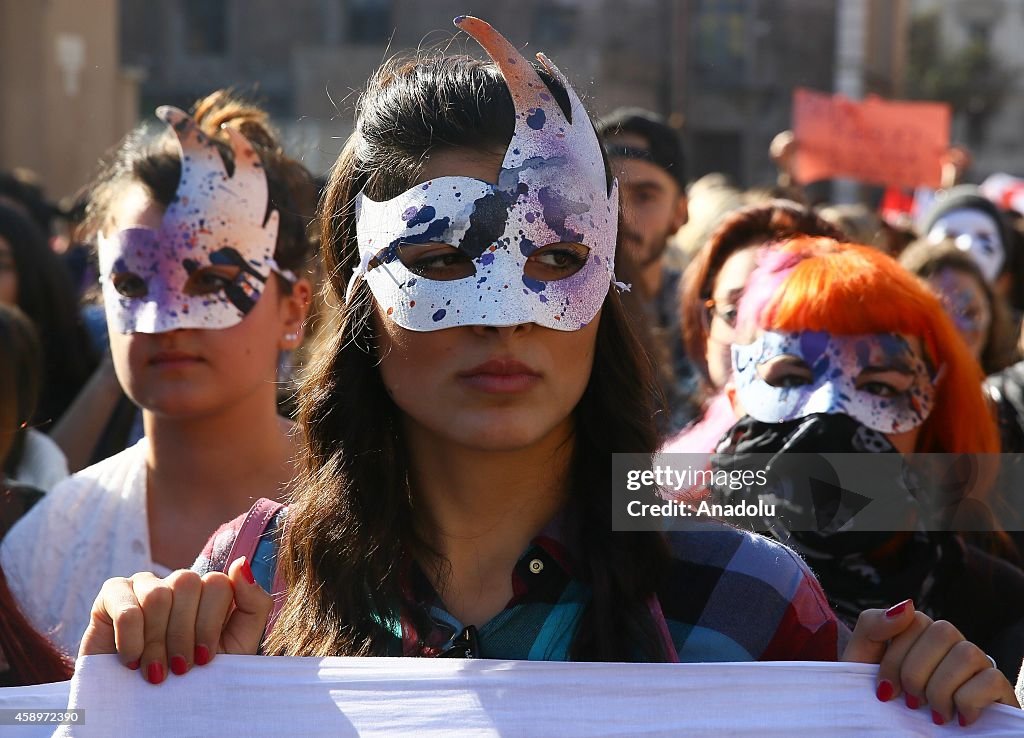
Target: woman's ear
{"points": [[294, 307], [681, 215]]}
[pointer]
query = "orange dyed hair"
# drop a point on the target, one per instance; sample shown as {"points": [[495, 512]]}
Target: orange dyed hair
{"points": [[847, 289]]}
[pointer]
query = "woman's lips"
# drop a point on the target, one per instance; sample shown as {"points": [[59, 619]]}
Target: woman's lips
{"points": [[173, 358], [500, 376]]}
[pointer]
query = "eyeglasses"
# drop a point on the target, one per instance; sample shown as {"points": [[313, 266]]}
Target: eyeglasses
{"points": [[726, 313]]}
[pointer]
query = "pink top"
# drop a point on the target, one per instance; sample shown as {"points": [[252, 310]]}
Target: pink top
{"points": [[702, 437]]}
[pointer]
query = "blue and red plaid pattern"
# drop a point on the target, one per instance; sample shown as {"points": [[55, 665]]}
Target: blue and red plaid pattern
{"points": [[732, 596]]}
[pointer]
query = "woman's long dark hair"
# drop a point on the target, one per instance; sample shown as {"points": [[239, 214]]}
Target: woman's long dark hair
{"points": [[46, 294], [350, 522], [20, 365], [31, 659]]}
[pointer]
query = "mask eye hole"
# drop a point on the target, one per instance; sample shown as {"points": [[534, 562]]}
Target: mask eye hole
{"points": [[437, 261], [209, 280], [556, 261], [129, 284], [786, 372], [884, 382]]}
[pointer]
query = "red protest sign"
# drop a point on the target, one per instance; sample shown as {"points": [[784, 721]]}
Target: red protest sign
{"points": [[885, 142]]}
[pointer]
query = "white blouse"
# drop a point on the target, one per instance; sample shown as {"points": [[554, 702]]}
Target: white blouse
{"points": [[43, 465], [89, 528]]}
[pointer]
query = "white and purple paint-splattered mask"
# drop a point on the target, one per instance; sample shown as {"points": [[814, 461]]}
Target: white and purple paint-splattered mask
{"points": [[835, 363], [973, 231], [160, 280], [552, 189]]}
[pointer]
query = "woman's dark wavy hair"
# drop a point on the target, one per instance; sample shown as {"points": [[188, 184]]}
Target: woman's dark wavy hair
{"points": [[350, 522], [31, 658], [46, 294], [21, 360]]}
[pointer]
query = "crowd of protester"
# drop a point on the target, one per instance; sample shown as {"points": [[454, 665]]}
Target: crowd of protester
{"points": [[439, 464]]}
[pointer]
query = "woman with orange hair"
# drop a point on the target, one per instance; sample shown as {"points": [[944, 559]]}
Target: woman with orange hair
{"points": [[846, 352], [851, 290], [712, 287]]}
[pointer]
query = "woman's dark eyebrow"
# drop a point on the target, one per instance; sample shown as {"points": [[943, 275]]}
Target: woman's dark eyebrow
{"points": [[788, 359], [900, 368]]}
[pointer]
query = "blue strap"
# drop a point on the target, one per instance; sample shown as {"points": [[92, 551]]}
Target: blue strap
{"points": [[264, 559]]}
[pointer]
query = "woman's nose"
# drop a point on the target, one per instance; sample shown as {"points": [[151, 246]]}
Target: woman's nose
{"points": [[503, 332]]}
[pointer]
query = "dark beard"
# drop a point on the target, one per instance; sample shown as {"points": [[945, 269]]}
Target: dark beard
{"points": [[637, 246]]}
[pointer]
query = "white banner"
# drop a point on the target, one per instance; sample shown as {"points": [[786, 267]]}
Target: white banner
{"points": [[261, 696], [36, 700]]}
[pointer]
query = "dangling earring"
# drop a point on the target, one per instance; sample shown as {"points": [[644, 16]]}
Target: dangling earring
{"points": [[291, 336]]}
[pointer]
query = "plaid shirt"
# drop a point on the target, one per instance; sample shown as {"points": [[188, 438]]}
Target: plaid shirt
{"points": [[731, 596]]}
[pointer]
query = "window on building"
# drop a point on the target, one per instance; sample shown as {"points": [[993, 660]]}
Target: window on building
{"points": [[205, 27], [979, 32], [721, 41], [369, 21], [554, 23]]}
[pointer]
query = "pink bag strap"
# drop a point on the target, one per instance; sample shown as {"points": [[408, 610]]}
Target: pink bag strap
{"points": [[246, 541], [654, 605], [254, 525]]}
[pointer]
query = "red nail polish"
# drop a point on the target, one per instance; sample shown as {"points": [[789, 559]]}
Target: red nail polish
{"points": [[178, 665], [202, 655], [247, 572], [912, 702], [885, 691], [962, 720], [133, 665], [155, 672], [897, 609], [937, 718]]}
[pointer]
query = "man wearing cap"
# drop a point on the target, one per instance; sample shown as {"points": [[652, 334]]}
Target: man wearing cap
{"points": [[647, 157]]}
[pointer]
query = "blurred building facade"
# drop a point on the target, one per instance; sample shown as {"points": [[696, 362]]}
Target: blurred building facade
{"points": [[64, 98], [723, 70], [79, 75], [744, 57], [978, 50], [307, 63]]}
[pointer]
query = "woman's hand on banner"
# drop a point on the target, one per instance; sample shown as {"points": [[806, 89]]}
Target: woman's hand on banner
{"points": [[180, 621], [928, 662]]}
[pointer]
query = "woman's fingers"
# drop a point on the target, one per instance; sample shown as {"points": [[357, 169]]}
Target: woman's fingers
{"points": [[965, 682], [116, 623], [874, 630], [155, 597], [214, 607], [920, 671], [930, 662], [980, 691], [178, 621], [244, 629], [890, 684], [186, 588]]}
